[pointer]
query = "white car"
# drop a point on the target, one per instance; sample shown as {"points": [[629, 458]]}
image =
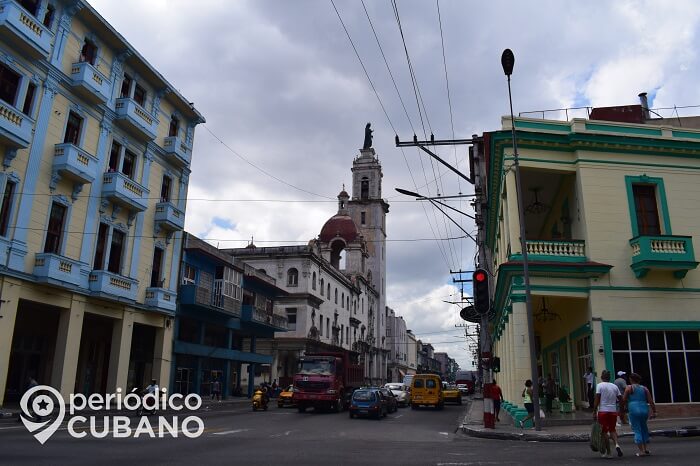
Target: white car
{"points": [[399, 391], [463, 389]]}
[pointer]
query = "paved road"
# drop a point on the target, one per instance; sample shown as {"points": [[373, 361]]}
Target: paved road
{"points": [[283, 436]]}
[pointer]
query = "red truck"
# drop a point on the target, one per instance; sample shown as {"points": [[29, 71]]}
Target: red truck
{"points": [[326, 381]]}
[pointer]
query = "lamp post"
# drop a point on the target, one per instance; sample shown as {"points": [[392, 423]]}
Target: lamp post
{"points": [[508, 61]]}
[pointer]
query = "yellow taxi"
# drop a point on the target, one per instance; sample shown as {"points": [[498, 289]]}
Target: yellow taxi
{"points": [[426, 389], [285, 398]]}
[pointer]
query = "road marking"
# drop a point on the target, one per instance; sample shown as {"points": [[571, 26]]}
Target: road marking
{"points": [[226, 432], [396, 417], [12, 427], [444, 433]]}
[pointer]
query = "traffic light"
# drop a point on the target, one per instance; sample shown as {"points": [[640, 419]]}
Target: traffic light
{"points": [[482, 298], [496, 364]]}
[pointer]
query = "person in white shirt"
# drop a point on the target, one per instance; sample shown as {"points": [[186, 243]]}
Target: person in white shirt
{"points": [[607, 397], [589, 379]]}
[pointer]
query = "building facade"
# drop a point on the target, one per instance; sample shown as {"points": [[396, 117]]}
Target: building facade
{"points": [[335, 284], [223, 308], [96, 148], [399, 347], [611, 233]]}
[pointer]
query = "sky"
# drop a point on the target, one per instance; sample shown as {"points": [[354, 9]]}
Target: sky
{"points": [[286, 101]]}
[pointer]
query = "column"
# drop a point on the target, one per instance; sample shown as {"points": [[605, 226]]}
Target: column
{"points": [[8, 311], [19, 242], [163, 353], [120, 352], [521, 345], [65, 363], [513, 235], [64, 25]]}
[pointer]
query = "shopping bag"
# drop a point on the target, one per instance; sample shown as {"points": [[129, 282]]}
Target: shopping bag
{"points": [[595, 436]]}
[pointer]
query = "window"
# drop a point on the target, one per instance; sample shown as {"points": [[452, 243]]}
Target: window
{"points": [[646, 210], [89, 52], [291, 318], [347, 334], [128, 164], [342, 332], [363, 216], [313, 281], [342, 300], [29, 99], [126, 86], [174, 126], [328, 326], [101, 246], [364, 188], [328, 291], [54, 232], [115, 252], [48, 16], [9, 83], [165, 189], [140, 95], [188, 275], [156, 280], [30, 5], [292, 277], [75, 123], [322, 285], [320, 325], [666, 361], [336, 295], [231, 282], [6, 206], [114, 155]]}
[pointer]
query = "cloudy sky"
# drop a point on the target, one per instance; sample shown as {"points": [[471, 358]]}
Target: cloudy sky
{"points": [[286, 100]]}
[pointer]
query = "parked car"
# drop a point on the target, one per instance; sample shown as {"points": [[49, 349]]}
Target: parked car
{"points": [[286, 397], [392, 404], [367, 402], [400, 392]]}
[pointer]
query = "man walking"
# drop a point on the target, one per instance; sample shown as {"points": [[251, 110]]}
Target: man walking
{"points": [[607, 396], [621, 385]]}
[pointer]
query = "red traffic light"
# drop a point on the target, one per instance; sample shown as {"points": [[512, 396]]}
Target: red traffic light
{"points": [[479, 276]]}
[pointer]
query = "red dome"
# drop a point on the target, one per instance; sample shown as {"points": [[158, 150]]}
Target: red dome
{"points": [[339, 225]]}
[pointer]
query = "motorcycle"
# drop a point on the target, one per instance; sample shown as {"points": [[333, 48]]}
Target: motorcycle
{"points": [[259, 400]]}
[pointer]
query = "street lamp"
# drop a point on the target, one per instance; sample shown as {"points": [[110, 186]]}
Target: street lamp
{"points": [[435, 203], [508, 61]]}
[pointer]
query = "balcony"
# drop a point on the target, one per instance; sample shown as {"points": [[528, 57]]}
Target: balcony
{"points": [[122, 190], [160, 298], [24, 31], [206, 299], [168, 217], [665, 252], [53, 268], [179, 152], [132, 117], [112, 284], [15, 127], [252, 314], [90, 83], [556, 251], [74, 163]]}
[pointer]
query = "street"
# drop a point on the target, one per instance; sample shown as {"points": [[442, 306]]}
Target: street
{"points": [[283, 436]]}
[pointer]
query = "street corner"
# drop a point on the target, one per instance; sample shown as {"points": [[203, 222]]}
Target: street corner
{"points": [[528, 436]]}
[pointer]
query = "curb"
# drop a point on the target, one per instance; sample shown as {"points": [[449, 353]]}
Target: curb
{"points": [[690, 431]]}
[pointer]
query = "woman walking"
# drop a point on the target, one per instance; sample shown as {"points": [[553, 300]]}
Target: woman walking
{"points": [[638, 400], [527, 401]]}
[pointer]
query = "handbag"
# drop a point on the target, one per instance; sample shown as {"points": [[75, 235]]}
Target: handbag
{"points": [[595, 436]]}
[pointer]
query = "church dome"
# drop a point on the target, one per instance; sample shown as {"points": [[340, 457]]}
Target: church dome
{"points": [[340, 225]]}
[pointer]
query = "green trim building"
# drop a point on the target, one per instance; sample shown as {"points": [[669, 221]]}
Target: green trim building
{"points": [[610, 219]]}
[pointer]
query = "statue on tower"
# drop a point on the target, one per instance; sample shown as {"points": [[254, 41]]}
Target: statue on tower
{"points": [[368, 137]]}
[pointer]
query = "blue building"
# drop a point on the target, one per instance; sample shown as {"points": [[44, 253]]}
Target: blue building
{"points": [[224, 306]]}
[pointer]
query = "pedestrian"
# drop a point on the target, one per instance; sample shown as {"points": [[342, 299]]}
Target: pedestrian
{"points": [[216, 390], [497, 395], [589, 378], [621, 385], [637, 399], [31, 383], [607, 396], [527, 401], [550, 391]]}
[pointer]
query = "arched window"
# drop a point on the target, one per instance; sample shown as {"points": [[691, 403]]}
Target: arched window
{"points": [[348, 303], [364, 188], [336, 295], [292, 277], [322, 287], [328, 291], [313, 281], [342, 299]]}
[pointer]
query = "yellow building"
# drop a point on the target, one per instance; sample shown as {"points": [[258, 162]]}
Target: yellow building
{"points": [[611, 221], [96, 148]]}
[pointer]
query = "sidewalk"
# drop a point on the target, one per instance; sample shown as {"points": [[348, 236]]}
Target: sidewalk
{"points": [[10, 412], [473, 425]]}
